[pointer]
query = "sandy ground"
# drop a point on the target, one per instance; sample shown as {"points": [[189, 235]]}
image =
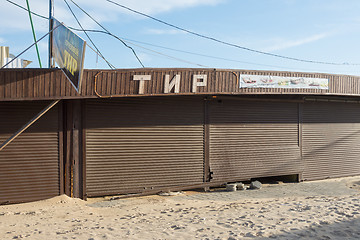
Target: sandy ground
{"points": [[327, 209]]}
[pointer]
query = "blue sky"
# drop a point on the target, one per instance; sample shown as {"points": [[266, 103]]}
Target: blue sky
{"points": [[319, 30]]}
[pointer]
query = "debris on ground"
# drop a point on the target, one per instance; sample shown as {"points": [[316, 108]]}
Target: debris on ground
{"points": [[255, 185]]}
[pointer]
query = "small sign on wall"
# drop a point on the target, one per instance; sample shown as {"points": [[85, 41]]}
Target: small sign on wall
{"points": [[267, 81]]}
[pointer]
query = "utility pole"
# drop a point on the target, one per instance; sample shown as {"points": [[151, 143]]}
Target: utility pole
{"points": [[51, 4]]}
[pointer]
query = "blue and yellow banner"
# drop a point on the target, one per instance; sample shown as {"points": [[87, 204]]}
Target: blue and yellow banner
{"points": [[68, 51]]}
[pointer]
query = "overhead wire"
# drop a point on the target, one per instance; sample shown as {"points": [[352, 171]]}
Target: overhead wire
{"points": [[227, 43], [156, 54], [41, 16], [109, 32], [36, 14], [131, 41], [150, 44], [77, 20], [29, 47], [203, 55], [96, 52], [159, 53]]}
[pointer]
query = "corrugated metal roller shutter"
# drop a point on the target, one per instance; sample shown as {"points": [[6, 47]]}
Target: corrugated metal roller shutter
{"points": [[251, 139], [331, 140], [138, 144], [29, 166]]}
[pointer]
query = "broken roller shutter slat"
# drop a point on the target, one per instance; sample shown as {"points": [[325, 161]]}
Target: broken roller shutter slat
{"points": [[133, 145], [250, 139], [29, 166], [331, 140]]}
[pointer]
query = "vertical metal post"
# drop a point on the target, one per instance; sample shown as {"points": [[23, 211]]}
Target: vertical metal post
{"points": [[300, 137], [207, 174], [51, 4]]}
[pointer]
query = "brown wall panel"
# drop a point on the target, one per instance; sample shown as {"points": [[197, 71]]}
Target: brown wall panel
{"points": [[44, 84], [29, 166]]}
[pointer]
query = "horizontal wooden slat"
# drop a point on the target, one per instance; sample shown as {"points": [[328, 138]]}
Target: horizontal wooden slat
{"points": [[46, 84]]}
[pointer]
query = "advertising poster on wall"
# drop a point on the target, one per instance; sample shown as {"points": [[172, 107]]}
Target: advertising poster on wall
{"points": [[267, 81], [68, 51]]}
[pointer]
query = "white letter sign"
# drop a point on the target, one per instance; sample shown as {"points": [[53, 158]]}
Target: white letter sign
{"points": [[196, 82], [175, 82], [142, 79]]}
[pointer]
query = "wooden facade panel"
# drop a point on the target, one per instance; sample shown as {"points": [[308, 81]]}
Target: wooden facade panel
{"points": [[57, 85], [41, 84], [30, 89], [19, 87], [2, 85], [25, 84], [36, 85], [12, 84]]}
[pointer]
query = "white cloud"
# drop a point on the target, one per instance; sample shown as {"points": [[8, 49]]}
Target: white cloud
{"points": [[43, 46], [285, 44], [13, 18], [144, 57], [2, 40]]}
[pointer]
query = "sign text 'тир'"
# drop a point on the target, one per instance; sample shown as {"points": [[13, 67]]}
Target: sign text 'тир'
{"points": [[198, 80]]}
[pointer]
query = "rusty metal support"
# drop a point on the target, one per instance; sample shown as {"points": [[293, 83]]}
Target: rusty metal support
{"points": [[27, 125]]}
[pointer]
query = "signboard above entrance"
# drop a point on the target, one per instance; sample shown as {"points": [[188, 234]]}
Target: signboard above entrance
{"points": [[68, 51], [268, 81]]}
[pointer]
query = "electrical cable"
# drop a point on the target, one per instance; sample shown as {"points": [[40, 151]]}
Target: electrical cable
{"points": [[207, 56], [171, 57], [156, 54], [97, 54], [233, 60], [36, 14], [110, 65], [130, 41], [41, 16], [33, 32], [29, 47], [109, 32], [159, 53], [227, 43]]}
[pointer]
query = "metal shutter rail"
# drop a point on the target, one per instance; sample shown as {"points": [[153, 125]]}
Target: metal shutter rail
{"points": [[138, 144], [29, 166], [331, 140], [251, 139]]}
